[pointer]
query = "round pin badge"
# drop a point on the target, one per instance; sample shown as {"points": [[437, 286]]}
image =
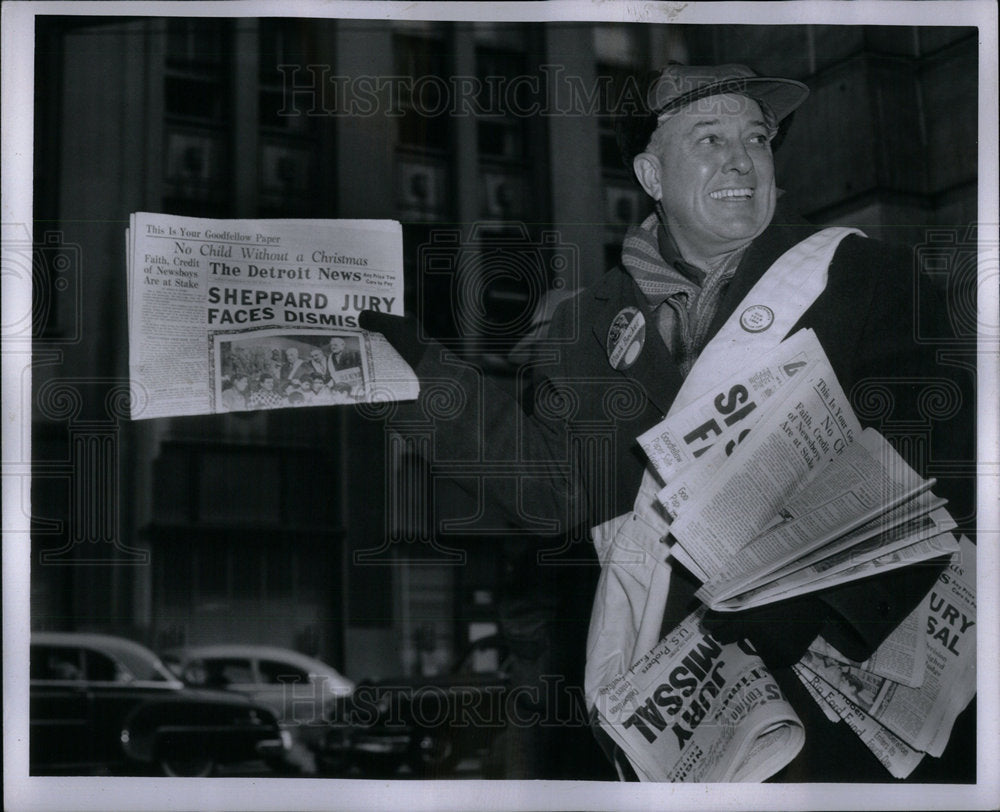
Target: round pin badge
{"points": [[756, 318], [626, 335]]}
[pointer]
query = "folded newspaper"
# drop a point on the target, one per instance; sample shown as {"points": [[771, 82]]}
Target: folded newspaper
{"points": [[900, 709], [697, 710], [774, 489], [234, 315]]}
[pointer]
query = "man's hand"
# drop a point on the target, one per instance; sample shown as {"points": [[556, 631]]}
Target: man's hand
{"points": [[401, 331], [781, 632]]}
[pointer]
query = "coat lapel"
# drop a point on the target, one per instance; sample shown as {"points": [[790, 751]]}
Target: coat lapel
{"points": [[654, 370]]}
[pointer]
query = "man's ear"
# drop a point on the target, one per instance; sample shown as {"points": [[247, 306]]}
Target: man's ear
{"points": [[647, 169]]}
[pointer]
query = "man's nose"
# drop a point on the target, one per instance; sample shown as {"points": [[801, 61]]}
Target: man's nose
{"points": [[739, 159]]}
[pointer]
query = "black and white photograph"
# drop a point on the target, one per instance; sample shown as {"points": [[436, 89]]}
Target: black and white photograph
{"points": [[652, 357], [264, 369]]}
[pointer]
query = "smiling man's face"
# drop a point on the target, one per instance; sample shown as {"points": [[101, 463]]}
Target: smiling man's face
{"points": [[711, 165]]}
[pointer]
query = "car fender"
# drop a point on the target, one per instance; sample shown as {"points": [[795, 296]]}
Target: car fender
{"points": [[196, 715]]}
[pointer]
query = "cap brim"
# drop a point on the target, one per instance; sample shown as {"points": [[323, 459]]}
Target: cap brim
{"points": [[783, 96]]}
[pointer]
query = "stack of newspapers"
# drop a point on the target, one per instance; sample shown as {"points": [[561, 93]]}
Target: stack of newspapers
{"points": [[903, 701], [774, 490]]}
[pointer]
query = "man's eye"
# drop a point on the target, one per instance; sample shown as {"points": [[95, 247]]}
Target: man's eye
{"points": [[760, 139], [709, 139]]}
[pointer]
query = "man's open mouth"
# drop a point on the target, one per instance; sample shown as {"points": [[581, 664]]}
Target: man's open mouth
{"points": [[731, 194]]}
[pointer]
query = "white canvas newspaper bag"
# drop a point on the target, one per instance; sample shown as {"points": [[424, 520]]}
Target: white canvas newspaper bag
{"points": [[635, 574]]}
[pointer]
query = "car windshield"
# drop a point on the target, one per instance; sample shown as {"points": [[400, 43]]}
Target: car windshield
{"points": [[143, 664]]}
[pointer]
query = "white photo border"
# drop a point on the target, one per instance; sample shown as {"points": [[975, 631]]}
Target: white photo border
{"points": [[32, 793]]}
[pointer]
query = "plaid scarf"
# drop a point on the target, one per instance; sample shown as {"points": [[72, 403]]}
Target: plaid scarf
{"points": [[683, 297]]}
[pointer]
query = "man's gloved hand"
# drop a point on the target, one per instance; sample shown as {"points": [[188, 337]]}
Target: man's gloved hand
{"points": [[855, 618], [401, 331], [780, 632]]}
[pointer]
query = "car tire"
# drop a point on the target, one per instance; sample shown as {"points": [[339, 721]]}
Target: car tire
{"points": [[378, 765], [196, 765], [333, 764], [332, 753], [433, 752], [282, 766]]}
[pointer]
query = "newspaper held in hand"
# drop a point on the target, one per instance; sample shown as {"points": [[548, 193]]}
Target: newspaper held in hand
{"points": [[728, 500], [696, 710], [234, 315], [722, 417], [922, 717], [800, 499], [866, 512], [902, 550]]}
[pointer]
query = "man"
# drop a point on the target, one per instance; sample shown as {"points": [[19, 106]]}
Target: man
{"points": [[288, 387], [234, 398], [340, 357], [294, 367], [322, 394], [701, 148], [313, 390], [266, 397], [318, 365]]}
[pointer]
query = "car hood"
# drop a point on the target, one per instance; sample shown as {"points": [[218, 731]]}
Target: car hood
{"points": [[436, 681], [215, 696]]}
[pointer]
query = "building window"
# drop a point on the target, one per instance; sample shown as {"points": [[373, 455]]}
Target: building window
{"points": [[502, 98], [197, 98], [287, 161], [503, 134], [286, 50], [421, 102], [424, 98]]}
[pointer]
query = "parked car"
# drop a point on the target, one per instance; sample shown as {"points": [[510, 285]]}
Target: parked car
{"points": [[428, 723], [105, 704], [300, 690]]}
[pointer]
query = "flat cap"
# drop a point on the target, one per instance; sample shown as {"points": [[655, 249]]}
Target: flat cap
{"points": [[663, 92], [680, 85]]}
